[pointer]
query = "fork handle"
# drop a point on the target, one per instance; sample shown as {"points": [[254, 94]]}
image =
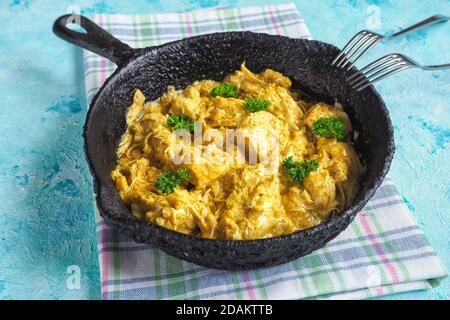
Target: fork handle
{"points": [[431, 20], [438, 67]]}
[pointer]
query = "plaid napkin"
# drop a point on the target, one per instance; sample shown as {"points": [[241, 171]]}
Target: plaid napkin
{"points": [[382, 252]]}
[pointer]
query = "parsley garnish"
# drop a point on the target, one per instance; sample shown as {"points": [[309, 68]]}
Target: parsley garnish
{"points": [[183, 174], [180, 121], [298, 171], [225, 90], [329, 127], [167, 181], [257, 104]]}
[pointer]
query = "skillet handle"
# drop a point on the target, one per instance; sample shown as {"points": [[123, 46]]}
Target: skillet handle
{"points": [[95, 39]]}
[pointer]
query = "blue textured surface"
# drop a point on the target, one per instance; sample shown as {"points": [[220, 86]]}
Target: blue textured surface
{"points": [[46, 219]]}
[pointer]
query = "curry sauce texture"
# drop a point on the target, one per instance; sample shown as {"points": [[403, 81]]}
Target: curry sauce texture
{"points": [[279, 173]]}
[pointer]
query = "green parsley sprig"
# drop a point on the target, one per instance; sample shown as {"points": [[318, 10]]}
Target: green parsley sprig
{"points": [[168, 181], [257, 104], [329, 127], [180, 121], [225, 90], [298, 171]]}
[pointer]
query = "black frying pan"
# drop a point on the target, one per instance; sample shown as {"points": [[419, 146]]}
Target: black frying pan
{"points": [[213, 56]]}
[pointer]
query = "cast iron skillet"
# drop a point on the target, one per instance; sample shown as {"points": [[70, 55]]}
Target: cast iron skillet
{"points": [[213, 56]]}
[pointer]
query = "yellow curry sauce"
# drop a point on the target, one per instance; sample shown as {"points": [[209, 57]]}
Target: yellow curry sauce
{"points": [[234, 199]]}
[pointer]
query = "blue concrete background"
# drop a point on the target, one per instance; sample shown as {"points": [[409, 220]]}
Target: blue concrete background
{"points": [[46, 219]]}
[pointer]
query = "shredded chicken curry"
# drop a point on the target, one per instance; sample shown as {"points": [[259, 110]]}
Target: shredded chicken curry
{"points": [[236, 198]]}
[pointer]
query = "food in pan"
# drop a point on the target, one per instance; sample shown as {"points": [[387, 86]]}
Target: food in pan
{"points": [[243, 159]]}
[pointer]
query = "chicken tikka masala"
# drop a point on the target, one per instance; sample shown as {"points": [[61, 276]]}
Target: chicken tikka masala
{"points": [[294, 167]]}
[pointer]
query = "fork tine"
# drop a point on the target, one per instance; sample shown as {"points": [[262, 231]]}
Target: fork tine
{"points": [[357, 76], [373, 44], [373, 65], [360, 36], [363, 44], [376, 70], [381, 75], [379, 72], [342, 53], [363, 39], [381, 60], [363, 86]]}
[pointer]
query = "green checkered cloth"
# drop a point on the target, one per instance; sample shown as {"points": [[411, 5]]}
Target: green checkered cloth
{"points": [[382, 252]]}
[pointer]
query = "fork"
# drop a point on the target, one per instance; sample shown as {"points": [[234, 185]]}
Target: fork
{"points": [[365, 40], [385, 67]]}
